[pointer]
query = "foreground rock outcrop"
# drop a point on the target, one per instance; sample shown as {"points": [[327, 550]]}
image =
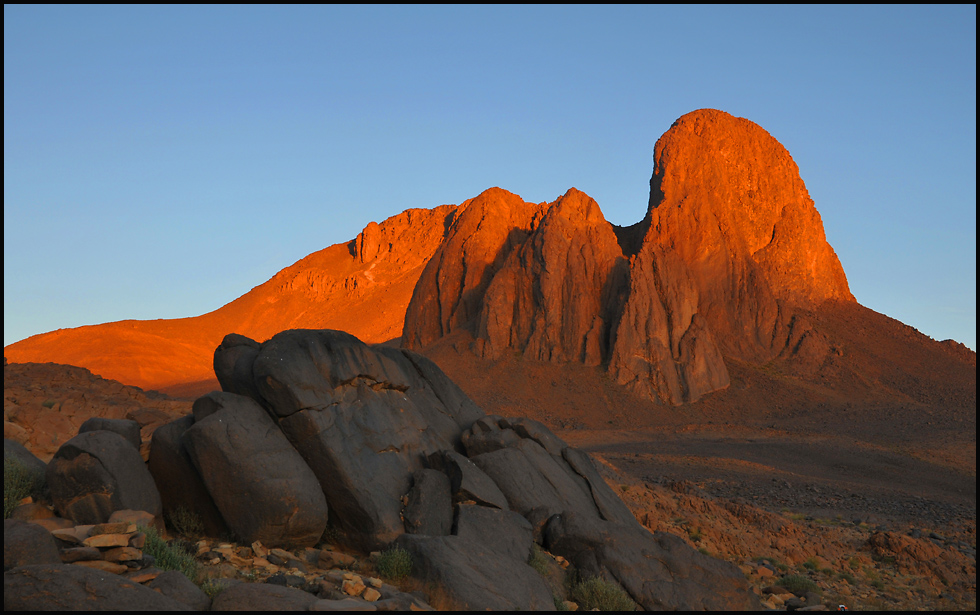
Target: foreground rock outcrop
{"points": [[315, 427]]}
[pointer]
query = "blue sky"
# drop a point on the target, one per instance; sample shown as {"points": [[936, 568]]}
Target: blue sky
{"points": [[160, 162]]}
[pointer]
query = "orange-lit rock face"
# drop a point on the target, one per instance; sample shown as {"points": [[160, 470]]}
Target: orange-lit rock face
{"points": [[450, 291], [722, 184], [731, 248]]}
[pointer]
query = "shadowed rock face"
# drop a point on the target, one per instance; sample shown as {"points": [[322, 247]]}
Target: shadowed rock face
{"points": [[731, 245], [362, 418], [399, 454]]}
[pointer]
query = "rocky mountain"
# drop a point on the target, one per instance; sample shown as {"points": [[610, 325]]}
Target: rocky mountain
{"points": [[728, 269]]}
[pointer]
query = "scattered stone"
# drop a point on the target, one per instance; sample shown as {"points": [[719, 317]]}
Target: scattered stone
{"points": [[107, 540], [104, 566], [79, 554], [334, 559], [123, 554]]}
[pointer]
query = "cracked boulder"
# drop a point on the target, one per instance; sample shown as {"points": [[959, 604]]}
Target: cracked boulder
{"points": [[97, 473], [259, 483], [363, 418]]}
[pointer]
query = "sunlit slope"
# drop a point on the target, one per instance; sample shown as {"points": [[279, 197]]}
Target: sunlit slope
{"points": [[362, 286]]}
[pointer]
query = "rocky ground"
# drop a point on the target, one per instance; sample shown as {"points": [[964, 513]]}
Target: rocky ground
{"points": [[867, 551], [45, 402], [872, 527]]}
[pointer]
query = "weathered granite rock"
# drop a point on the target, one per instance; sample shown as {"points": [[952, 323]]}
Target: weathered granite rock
{"points": [[430, 505], [261, 485], [465, 574], [124, 427], [468, 482], [528, 475], [16, 450], [175, 585], [364, 419], [659, 571], [96, 473], [262, 597], [233, 365], [504, 531], [177, 478], [70, 587], [26, 543]]}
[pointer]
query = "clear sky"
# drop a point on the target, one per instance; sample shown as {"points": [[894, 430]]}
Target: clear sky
{"points": [[160, 162]]}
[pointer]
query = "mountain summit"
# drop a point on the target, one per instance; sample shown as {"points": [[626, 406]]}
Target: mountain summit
{"points": [[730, 247], [728, 267]]}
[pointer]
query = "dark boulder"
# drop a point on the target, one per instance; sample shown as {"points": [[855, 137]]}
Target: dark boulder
{"points": [[17, 451], [262, 597], [177, 479], [467, 481], [66, 587], [99, 472], [27, 543], [530, 477], [364, 419], [659, 570], [261, 485], [465, 574], [503, 531], [175, 585], [126, 428], [429, 510], [233, 364]]}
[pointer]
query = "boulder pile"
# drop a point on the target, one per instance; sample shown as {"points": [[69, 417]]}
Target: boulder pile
{"points": [[315, 433]]}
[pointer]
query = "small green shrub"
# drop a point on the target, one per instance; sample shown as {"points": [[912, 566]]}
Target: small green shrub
{"points": [[211, 589], [538, 560], [598, 594], [810, 564], [19, 482], [798, 583], [695, 534], [394, 563], [169, 556], [847, 576], [185, 522], [49, 403]]}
